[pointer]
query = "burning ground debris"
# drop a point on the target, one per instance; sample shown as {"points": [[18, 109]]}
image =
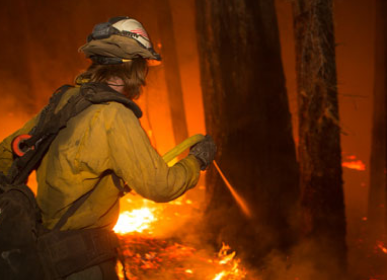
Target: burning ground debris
{"points": [[368, 253], [145, 255]]}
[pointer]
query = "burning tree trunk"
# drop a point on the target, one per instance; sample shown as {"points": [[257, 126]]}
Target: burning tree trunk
{"points": [[172, 74], [377, 197], [246, 111], [321, 183]]}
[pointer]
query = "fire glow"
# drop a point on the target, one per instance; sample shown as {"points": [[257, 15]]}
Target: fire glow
{"points": [[352, 163], [147, 257], [137, 220], [382, 247], [226, 258]]}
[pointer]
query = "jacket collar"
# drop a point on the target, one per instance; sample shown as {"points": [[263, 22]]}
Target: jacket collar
{"points": [[100, 93]]}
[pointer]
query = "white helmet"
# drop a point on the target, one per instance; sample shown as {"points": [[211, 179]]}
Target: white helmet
{"points": [[118, 39], [135, 30]]}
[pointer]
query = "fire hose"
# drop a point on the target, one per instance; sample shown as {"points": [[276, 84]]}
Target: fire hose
{"points": [[191, 141]]}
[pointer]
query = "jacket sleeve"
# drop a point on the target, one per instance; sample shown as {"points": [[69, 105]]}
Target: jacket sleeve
{"points": [[143, 169], [6, 155]]}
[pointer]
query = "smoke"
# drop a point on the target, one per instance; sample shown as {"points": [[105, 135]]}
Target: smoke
{"points": [[15, 112], [306, 260], [303, 262], [12, 116]]}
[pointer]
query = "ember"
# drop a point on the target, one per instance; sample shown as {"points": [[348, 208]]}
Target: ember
{"points": [[382, 247]]}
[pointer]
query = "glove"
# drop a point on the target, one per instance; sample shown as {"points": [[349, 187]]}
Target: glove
{"points": [[204, 151]]}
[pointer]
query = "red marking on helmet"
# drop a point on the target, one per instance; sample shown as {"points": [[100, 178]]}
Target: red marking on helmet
{"points": [[141, 32]]}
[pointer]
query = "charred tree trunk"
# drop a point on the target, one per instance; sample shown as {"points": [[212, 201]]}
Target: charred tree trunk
{"points": [[246, 111], [172, 71], [321, 183], [377, 198]]}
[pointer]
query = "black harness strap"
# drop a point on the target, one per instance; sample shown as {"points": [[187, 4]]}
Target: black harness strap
{"points": [[23, 166], [117, 183], [49, 109], [74, 207], [50, 123], [78, 203]]}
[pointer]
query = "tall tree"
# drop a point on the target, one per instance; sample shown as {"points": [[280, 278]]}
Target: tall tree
{"points": [[171, 66], [321, 183], [16, 54], [377, 196], [246, 111]]}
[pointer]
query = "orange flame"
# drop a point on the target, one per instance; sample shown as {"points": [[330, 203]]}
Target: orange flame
{"points": [[219, 275], [352, 163], [381, 247], [147, 258], [137, 220], [147, 255], [228, 259]]}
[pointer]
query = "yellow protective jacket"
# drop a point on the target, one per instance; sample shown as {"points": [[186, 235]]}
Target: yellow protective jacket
{"points": [[102, 137]]}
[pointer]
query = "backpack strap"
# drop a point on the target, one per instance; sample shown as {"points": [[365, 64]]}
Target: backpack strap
{"points": [[98, 93], [78, 203], [49, 109], [117, 183], [50, 123], [23, 166], [75, 206]]}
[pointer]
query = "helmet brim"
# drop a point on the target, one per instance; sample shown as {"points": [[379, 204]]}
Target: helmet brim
{"points": [[117, 46]]}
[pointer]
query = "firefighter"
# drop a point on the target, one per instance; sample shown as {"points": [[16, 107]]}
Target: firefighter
{"points": [[106, 145]]}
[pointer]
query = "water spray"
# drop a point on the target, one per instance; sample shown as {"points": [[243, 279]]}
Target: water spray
{"points": [[241, 202], [189, 142]]}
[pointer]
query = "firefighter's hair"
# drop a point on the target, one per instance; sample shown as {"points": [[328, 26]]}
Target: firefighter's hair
{"points": [[133, 73]]}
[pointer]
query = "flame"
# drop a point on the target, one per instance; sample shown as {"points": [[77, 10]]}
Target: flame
{"points": [[224, 257], [232, 271], [146, 254], [357, 165], [146, 257], [219, 275], [137, 220], [382, 247], [352, 163]]}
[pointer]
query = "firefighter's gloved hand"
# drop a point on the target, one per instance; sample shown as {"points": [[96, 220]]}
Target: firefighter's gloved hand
{"points": [[204, 151]]}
